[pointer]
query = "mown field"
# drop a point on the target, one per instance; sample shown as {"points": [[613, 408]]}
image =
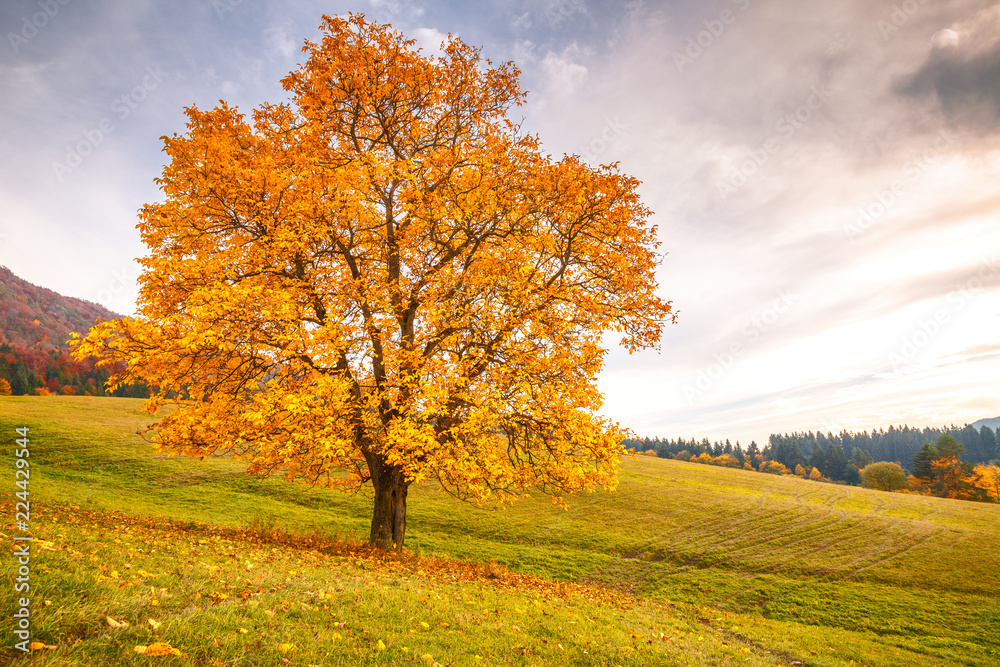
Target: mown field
{"points": [[683, 565]]}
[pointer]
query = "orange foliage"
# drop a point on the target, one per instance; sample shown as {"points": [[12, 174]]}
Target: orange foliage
{"points": [[774, 468], [951, 479], [726, 461], [987, 478], [385, 281]]}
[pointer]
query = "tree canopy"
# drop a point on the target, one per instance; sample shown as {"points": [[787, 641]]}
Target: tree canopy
{"points": [[384, 281]]}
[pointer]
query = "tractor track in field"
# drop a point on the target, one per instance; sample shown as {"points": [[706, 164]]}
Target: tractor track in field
{"points": [[752, 517], [921, 542], [804, 537], [889, 543], [934, 510], [777, 518]]}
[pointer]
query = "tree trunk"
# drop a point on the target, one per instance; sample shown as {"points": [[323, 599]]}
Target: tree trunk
{"points": [[389, 515]]}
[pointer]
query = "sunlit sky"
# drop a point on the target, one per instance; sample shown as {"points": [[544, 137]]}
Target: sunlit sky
{"points": [[825, 177]]}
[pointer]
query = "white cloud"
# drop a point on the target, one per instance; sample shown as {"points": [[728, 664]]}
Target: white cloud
{"points": [[278, 41], [565, 74], [429, 40]]}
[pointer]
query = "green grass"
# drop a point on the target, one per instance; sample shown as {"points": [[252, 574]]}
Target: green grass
{"points": [[735, 567]]}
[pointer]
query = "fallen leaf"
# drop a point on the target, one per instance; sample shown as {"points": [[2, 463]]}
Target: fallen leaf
{"points": [[161, 649], [116, 624], [285, 648], [380, 646], [242, 631], [154, 623], [38, 646]]}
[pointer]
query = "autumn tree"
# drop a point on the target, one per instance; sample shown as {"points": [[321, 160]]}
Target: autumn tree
{"points": [[884, 475], [987, 478], [384, 281]]}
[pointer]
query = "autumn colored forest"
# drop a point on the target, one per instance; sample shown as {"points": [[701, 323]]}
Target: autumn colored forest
{"points": [[34, 331]]}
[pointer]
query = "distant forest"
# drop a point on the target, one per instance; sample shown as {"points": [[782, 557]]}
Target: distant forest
{"points": [[35, 325], [838, 457]]}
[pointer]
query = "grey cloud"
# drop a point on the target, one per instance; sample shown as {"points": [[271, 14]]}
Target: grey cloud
{"points": [[962, 71]]}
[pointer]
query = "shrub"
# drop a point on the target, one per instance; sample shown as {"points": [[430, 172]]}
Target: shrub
{"points": [[884, 476], [774, 468]]}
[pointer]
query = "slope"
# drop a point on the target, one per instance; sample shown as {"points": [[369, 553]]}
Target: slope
{"points": [[783, 568]]}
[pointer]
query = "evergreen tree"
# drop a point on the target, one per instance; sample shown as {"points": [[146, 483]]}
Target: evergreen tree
{"points": [[947, 445], [989, 439], [861, 458], [836, 462], [922, 461]]}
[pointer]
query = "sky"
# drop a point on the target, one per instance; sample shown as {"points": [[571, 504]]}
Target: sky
{"points": [[825, 177]]}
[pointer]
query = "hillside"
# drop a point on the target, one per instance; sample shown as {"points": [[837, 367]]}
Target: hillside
{"points": [[36, 317], [684, 564], [993, 424], [35, 327]]}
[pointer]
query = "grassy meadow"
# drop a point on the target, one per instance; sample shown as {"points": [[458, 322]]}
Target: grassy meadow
{"points": [[683, 565]]}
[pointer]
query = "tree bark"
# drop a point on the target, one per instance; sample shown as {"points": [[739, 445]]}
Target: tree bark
{"points": [[389, 514]]}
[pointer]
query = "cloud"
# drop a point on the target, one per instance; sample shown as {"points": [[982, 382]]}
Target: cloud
{"points": [[565, 74], [962, 71], [279, 42], [429, 40]]}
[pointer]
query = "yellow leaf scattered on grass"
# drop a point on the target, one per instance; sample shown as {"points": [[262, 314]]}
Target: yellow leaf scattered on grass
{"points": [[158, 649], [427, 657], [381, 645], [242, 631], [285, 648], [38, 646], [116, 624], [425, 625], [154, 623]]}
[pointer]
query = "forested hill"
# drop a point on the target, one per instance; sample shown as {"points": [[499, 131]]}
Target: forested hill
{"points": [[35, 325], [837, 456], [37, 317]]}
